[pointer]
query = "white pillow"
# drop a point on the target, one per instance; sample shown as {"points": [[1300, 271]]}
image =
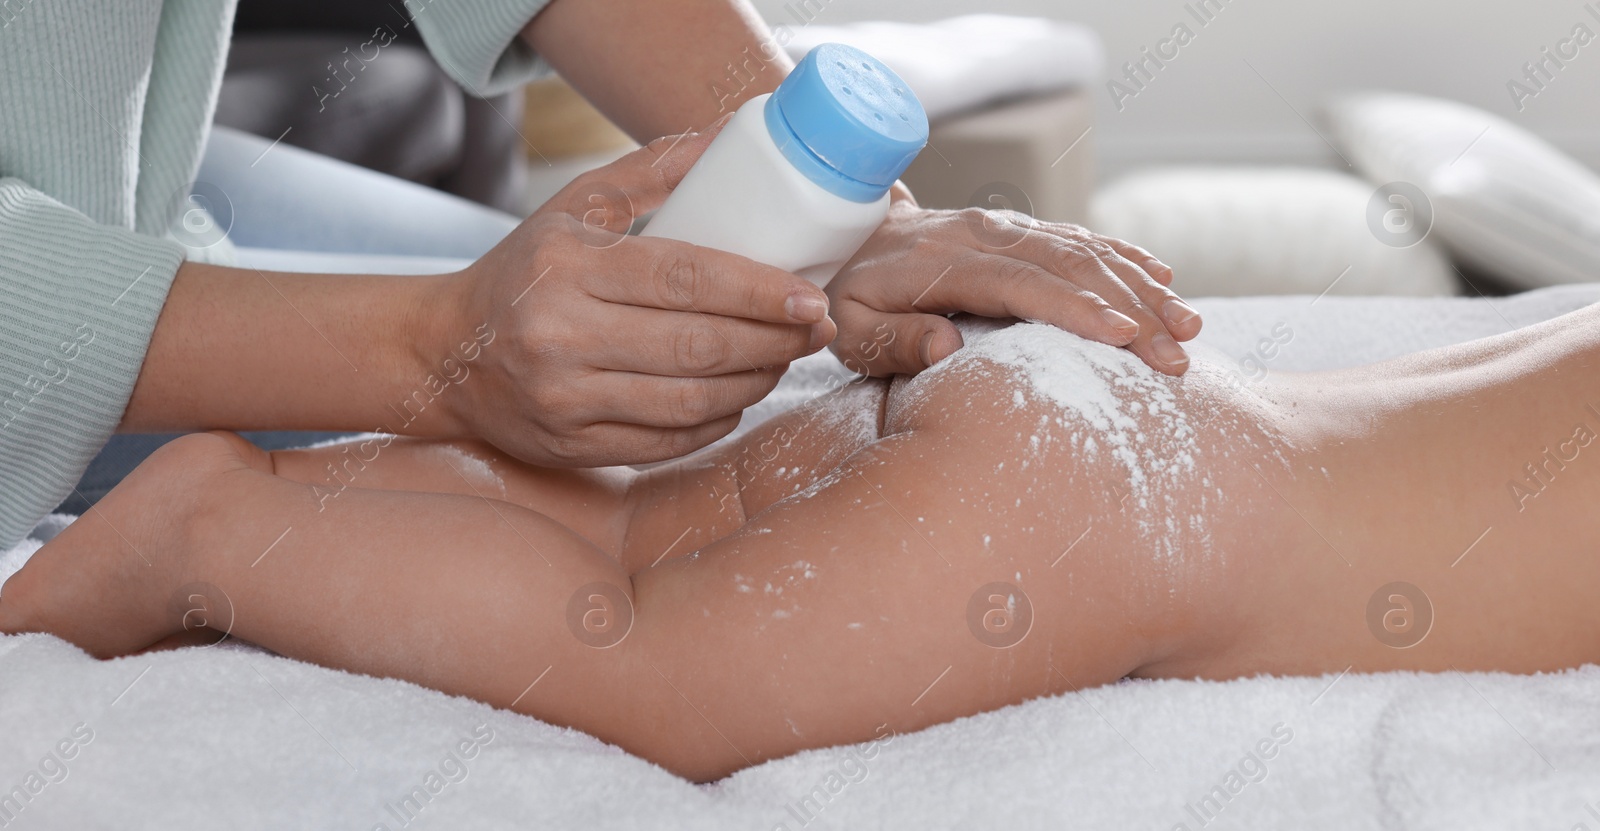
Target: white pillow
{"points": [[1504, 200], [1246, 230]]}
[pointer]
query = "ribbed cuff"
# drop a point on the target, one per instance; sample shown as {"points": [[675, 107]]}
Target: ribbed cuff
{"points": [[477, 43], [78, 304]]}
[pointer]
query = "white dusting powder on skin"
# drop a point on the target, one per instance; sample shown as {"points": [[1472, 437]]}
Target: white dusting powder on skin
{"points": [[803, 568], [1111, 403], [474, 469]]}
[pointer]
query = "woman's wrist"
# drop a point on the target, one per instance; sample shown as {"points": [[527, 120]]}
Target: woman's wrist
{"points": [[243, 349], [443, 345]]}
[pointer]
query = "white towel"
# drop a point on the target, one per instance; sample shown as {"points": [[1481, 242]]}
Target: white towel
{"points": [[964, 62]]}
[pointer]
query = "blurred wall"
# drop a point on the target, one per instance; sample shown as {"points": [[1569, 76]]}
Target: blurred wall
{"points": [[1208, 104]]}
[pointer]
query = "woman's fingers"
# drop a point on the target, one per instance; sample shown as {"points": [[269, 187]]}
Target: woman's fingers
{"points": [[1160, 312], [921, 265], [1141, 258], [990, 285], [681, 403], [658, 342], [676, 276], [893, 343], [1076, 254], [644, 444], [1128, 289], [1052, 280], [1182, 322], [1094, 304]]}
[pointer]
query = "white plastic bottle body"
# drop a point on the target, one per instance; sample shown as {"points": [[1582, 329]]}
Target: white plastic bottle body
{"points": [[743, 196]]}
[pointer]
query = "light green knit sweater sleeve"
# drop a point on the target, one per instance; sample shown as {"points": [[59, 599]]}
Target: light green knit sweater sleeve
{"points": [[78, 301], [476, 41]]}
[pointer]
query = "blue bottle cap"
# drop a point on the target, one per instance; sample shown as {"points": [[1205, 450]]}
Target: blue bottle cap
{"points": [[847, 122]]}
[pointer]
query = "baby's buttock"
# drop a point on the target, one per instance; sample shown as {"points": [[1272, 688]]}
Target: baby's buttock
{"points": [[1283, 527], [1110, 465]]}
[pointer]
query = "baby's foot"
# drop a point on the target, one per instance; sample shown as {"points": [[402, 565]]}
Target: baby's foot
{"points": [[118, 579]]}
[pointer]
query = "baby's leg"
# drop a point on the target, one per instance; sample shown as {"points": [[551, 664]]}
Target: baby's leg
{"points": [[384, 582], [641, 519], [872, 600], [593, 503]]}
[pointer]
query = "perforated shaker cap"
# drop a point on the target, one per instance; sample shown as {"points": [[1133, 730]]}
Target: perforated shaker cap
{"points": [[847, 121]]}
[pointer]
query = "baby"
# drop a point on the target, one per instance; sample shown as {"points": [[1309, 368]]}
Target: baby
{"points": [[1037, 514]]}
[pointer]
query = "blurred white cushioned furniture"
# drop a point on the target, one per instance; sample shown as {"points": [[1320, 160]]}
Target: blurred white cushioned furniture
{"points": [[1504, 200], [1007, 98], [961, 63], [1230, 231]]}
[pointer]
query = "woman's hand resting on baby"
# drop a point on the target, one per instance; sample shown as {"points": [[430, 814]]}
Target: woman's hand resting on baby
{"points": [[890, 300]]}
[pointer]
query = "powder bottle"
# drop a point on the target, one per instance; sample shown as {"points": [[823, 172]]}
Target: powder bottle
{"points": [[799, 178]]}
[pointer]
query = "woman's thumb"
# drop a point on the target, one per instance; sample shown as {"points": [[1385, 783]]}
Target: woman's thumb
{"points": [[670, 157], [880, 344]]}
